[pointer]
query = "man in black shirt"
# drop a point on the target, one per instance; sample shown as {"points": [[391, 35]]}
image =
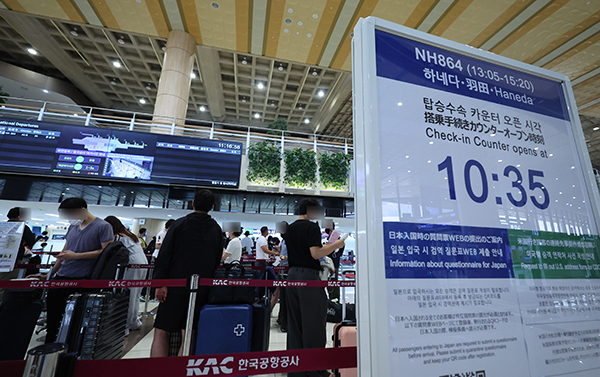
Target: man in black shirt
{"points": [[193, 245], [307, 307]]}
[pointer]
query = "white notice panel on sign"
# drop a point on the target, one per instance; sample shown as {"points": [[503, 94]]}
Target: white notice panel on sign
{"points": [[11, 234], [478, 249]]}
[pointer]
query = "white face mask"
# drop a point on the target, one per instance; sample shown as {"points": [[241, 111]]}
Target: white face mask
{"points": [[76, 222]]}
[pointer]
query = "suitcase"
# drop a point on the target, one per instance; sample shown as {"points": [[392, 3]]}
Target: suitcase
{"points": [[261, 325], [224, 329], [344, 335], [93, 325], [19, 313]]}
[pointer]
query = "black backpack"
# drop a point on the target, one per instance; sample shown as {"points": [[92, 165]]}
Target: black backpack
{"points": [[105, 266]]}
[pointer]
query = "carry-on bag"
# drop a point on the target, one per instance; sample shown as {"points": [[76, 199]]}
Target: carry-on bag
{"points": [[224, 329], [344, 335], [261, 325], [93, 325], [19, 313], [222, 295]]}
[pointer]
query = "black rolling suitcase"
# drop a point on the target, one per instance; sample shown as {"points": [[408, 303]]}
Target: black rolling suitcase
{"points": [[93, 325], [261, 325], [19, 313]]}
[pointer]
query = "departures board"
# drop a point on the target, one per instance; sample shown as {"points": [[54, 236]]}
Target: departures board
{"points": [[54, 149]]}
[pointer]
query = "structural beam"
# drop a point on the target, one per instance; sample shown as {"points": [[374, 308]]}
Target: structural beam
{"points": [[35, 33], [333, 102], [208, 59]]}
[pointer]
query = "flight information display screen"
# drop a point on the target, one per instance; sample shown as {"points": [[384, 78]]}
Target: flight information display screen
{"points": [[55, 149]]}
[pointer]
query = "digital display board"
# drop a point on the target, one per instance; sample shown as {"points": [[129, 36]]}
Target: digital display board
{"points": [[55, 149]]}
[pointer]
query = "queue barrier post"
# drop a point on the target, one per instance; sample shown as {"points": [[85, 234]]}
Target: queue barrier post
{"points": [[148, 290], [187, 339], [42, 361]]}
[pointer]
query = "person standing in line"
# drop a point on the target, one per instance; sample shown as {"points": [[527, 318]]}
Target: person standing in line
{"points": [[193, 245], [136, 256], [233, 253], [142, 233], [307, 307], [334, 292], [283, 256], [18, 214], [262, 248], [160, 237], [247, 243], [87, 236]]}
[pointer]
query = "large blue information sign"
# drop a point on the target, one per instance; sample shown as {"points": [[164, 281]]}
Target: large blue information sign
{"points": [[477, 210]]}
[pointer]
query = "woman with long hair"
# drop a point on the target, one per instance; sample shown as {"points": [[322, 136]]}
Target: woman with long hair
{"points": [[136, 256]]}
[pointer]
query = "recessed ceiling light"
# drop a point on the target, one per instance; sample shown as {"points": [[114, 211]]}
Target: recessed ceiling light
{"points": [[280, 67], [321, 93], [286, 31], [74, 33], [257, 115], [121, 41], [308, 35], [288, 21], [117, 64], [307, 121], [193, 75], [113, 82], [314, 73], [315, 16], [142, 101], [300, 23], [149, 86], [45, 90], [260, 85], [290, 10], [596, 128], [202, 108], [215, 5], [32, 51]]}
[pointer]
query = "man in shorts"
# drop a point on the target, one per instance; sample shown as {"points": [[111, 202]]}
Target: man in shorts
{"points": [[193, 245]]}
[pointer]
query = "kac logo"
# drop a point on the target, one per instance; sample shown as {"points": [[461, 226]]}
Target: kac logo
{"points": [[199, 367]]}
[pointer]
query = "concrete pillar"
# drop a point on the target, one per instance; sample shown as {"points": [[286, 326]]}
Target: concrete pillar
{"points": [[175, 79]]}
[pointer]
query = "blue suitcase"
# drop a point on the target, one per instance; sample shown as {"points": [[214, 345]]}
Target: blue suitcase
{"points": [[224, 329]]}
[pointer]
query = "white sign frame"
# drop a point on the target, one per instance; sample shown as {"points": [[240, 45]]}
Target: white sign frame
{"points": [[373, 344]]}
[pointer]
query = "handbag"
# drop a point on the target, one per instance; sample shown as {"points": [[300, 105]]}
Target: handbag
{"points": [[334, 312], [225, 295]]}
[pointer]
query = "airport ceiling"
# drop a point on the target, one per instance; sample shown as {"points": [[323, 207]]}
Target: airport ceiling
{"points": [[298, 49]]}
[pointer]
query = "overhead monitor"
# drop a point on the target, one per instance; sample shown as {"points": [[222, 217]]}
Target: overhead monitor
{"points": [[90, 152]]}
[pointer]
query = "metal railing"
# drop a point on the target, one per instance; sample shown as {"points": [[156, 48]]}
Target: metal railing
{"points": [[144, 122]]}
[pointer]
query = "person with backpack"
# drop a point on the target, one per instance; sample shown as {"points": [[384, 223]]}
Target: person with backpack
{"points": [[87, 236], [136, 256], [193, 245]]}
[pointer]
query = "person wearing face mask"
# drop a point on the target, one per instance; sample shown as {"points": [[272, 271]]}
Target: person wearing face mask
{"points": [[306, 307], [87, 236]]}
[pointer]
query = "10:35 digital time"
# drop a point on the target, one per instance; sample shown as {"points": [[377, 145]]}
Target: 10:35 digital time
{"points": [[518, 198]]}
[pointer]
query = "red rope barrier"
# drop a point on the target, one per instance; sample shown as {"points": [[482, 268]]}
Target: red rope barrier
{"points": [[275, 283], [52, 284], [232, 365], [142, 266], [241, 364]]}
